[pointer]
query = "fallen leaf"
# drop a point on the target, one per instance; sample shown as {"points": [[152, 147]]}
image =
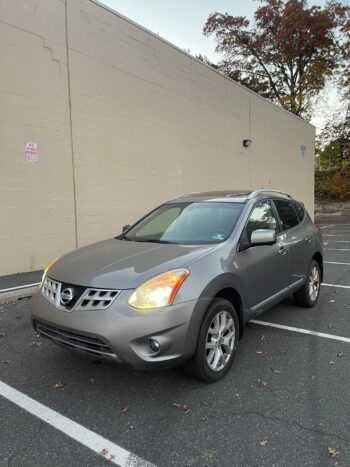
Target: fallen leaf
{"points": [[331, 301], [331, 325], [263, 338], [207, 455], [340, 354], [11, 302], [36, 344], [182, 407], [125, 408], [2, 334], [5, 361], [262, 383], [259, 352], [331, 363], [332, 453], [204, 419], [274, 370], [59, 385], [263, 443], [205, 403], [107, 455], [92, 380]]}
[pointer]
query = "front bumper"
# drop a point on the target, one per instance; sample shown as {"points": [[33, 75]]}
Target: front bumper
{"points": [[123, 334]]}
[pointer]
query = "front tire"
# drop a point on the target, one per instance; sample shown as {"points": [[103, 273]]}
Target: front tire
{"points": [[308, 295], [216, 345]]}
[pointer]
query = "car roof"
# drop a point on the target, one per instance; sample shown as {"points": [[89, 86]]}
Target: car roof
{"points": [[231, 196]]}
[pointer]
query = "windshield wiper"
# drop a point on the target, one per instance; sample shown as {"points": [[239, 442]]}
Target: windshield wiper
{"points": [[153, 240]]}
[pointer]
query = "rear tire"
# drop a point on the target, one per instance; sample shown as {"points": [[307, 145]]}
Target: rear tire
{"points": [[308, 295], [216, 345]]}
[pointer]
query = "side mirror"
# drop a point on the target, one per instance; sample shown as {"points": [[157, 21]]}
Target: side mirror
{"points": [[126, 227], [263, 237]]}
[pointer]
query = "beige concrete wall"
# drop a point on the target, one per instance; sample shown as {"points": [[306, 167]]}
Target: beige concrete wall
{"points": [[148, 122], [36, 202]]}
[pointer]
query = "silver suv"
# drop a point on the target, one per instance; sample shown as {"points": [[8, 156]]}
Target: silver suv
{"points": [[178, 286]]}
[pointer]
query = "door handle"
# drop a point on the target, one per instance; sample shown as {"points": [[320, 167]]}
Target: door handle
{"points": [[282, 250]]}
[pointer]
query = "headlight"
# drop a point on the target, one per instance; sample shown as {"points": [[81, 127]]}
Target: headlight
{"points": [[47, 268], [159, 291]]}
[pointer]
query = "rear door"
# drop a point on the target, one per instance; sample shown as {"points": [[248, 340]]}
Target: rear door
{"points": [[266, 267], [298, 238]]}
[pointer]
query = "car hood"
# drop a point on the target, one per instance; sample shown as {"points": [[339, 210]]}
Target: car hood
{"points": [[120, 264]]}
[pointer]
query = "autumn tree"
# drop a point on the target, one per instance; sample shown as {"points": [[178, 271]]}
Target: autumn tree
{"points": [[333, 143], [343, 13], [287, 52]]}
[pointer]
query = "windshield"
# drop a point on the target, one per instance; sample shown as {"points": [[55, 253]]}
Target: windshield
{"points": [[187, 223]]}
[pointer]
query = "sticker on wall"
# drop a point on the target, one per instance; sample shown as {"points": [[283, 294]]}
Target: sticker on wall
{"points": [[303, 152], [31, 151]]}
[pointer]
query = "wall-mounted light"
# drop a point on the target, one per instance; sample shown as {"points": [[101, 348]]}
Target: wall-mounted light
{"points": [[247, 143]]}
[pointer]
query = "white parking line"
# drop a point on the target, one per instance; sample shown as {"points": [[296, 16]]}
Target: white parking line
{"points": [[335, 262], [326, 226], [19, 287], [337, 249], [336, 241], [336, 285], [302, 331], [102, 446], [333, 235]]}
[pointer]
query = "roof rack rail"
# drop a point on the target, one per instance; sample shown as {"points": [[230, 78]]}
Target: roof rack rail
{"points": [[255, 193]]}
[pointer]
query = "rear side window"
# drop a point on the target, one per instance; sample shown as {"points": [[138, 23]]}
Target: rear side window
{"points": [[300, 210], [286, 213]]}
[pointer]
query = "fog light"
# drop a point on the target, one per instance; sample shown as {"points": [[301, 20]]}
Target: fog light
{"points": [[155, 346]]}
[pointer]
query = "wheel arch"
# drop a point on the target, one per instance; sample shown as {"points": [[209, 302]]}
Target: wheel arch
{"points": [[233, 296]]}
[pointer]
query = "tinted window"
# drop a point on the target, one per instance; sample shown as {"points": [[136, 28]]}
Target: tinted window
{"points": [[300, 210], [262, 217], [286, 213], [187, 223]]}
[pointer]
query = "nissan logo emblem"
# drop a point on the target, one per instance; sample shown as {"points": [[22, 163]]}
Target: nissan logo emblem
{"points": [[66, 296]]}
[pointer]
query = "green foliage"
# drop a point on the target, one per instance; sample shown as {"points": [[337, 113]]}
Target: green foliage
{"points": [[333, 185], [333, 144], [328, 157]]}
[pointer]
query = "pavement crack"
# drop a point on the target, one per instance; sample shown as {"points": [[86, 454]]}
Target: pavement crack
{"points": [[294, 423]]}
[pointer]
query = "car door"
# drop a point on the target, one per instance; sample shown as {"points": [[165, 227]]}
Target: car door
{"points": [[265, 267], [298, 238]]}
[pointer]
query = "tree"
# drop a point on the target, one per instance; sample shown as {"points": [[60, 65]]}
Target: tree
{"points": [[333, 148], [343, 14], [287, 53]]}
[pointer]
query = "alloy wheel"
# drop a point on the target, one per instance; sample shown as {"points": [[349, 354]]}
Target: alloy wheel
{"points": [[314, 283], [220, 341]]}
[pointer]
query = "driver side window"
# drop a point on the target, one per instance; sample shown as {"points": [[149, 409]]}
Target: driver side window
{"points": [[262, 217]]}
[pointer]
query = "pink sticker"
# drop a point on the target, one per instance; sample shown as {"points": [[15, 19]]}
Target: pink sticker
{"points": [[32, 154]]}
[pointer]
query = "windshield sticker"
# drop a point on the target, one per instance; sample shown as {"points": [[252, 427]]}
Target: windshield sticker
{"points": [[218, 236]]}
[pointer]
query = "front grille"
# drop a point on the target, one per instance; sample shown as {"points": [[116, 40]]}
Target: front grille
{"points": [[73, 340], [96, 299], [50, 289], [83, 298]]}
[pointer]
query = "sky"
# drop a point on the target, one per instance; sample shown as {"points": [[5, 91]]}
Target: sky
{"points": [[181, 23]]}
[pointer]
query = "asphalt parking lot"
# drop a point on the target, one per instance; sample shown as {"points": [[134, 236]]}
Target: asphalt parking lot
{"points": [[286, 401]]}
